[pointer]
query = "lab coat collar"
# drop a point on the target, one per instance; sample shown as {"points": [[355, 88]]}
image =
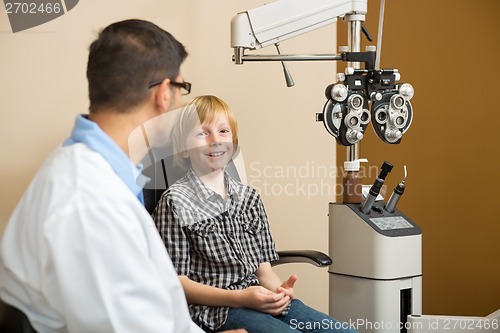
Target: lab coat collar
{"points": [[89, 133]]}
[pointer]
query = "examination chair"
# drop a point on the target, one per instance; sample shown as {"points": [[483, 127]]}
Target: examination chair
{"points": [[164, 173]]}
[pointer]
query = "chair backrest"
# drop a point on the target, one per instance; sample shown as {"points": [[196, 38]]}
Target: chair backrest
{"points": [[12, 320], [163, 173]]}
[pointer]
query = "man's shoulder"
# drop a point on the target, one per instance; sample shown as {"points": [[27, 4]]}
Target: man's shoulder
{"points": [[73, 157], [71, 180], [76, 170]]}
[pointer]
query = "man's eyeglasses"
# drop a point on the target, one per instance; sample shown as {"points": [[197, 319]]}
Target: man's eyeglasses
{"points": [[185, 86]]}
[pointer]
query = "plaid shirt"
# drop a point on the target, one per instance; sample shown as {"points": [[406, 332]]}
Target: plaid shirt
{"points": [[212, 241]]}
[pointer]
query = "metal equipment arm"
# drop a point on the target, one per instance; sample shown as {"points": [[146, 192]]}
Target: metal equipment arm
{"points": [[281, 20]]}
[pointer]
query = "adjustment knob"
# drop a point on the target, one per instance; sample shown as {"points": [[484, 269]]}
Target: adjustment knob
{"points": [[339, 92], [376, 96], [354, 136], [394, 135], [406, 90]]}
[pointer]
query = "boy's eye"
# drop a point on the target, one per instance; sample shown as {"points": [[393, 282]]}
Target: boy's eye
{"points": [[225, 130], [201, 134]]}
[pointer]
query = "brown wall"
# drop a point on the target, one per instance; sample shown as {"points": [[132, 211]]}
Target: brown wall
{"points": [[449, 51]]}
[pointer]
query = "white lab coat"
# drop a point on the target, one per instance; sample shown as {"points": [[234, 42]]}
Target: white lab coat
{"points": [[81, 254]]}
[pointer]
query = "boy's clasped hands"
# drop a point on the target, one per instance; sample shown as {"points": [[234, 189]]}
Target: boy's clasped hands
{"points": [[264, 300]]}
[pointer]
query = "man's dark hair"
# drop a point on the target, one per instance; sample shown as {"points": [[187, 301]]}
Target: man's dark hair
{"points": [[125, 58]]}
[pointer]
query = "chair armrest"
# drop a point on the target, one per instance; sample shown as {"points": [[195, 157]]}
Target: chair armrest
{"points": [[312, 257]]}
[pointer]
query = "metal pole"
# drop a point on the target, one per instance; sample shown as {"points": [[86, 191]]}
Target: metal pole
{"points": [[354, 44], [289, 57]]}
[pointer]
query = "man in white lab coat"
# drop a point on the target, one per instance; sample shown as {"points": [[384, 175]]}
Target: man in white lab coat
{"points": [[80, 252]]}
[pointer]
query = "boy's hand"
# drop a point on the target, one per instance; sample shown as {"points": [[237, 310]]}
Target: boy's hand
{"points": [[287, 286], [263, 300]]}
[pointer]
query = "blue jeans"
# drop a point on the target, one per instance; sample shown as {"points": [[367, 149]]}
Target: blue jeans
{"points": [[300, 318]]}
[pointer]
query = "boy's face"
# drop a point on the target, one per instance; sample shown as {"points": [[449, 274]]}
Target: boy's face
{"points": [[210, 146]]}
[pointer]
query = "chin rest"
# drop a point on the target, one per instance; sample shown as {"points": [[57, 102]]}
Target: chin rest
{"points": [[13, 320], [312, 257]]}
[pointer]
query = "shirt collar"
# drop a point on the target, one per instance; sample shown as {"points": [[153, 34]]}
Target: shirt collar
{"points": [[89, 133], [204, 193]]}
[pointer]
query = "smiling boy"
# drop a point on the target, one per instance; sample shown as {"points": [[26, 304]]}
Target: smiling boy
{"points": [[217, 233]]}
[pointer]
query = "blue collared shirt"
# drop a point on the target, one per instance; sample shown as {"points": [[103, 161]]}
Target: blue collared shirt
{"points": [[89, 133]]}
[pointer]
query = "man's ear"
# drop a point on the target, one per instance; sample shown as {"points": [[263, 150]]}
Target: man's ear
{"points": [[162, 95]]}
